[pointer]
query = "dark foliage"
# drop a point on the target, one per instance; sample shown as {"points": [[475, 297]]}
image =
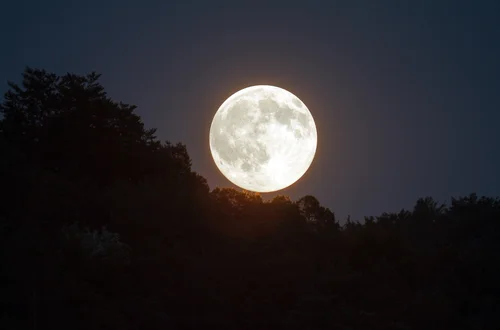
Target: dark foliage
{"points": [[103, 226]]}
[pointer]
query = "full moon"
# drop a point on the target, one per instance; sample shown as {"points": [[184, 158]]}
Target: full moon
{"points": [[263, 138]]}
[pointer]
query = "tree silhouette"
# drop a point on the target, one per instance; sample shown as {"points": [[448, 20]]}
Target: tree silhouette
{"points": [[316, 214], [103, 226], [69, 125]]}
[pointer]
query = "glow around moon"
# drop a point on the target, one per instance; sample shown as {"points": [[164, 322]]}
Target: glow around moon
{"points": [[263, 138]]}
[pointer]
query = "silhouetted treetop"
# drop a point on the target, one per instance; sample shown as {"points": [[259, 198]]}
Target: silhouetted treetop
{"points": [[316, 214], [68, 124]]}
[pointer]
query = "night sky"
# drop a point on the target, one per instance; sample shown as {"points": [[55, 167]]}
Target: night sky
{"points": [[405, 94]]}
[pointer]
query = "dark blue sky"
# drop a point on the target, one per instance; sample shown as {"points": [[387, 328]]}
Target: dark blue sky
{"points": [[405, 94]]}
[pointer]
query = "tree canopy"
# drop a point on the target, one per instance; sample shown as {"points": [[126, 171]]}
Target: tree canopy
{"points": [[104, 226]]}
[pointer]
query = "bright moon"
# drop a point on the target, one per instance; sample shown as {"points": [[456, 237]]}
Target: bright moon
{"points": [[263, 138]]}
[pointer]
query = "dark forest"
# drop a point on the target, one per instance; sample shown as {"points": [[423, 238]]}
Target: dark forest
{"points": [[104, 226]]}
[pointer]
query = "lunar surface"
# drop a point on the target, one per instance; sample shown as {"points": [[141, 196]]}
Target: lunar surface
{"points": [[263, 138]]}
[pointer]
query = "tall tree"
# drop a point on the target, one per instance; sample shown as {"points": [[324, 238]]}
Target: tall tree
{"points": [[69, 125]]}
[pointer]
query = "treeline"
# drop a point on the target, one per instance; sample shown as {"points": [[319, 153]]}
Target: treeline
{"points": [[103, 226]]}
